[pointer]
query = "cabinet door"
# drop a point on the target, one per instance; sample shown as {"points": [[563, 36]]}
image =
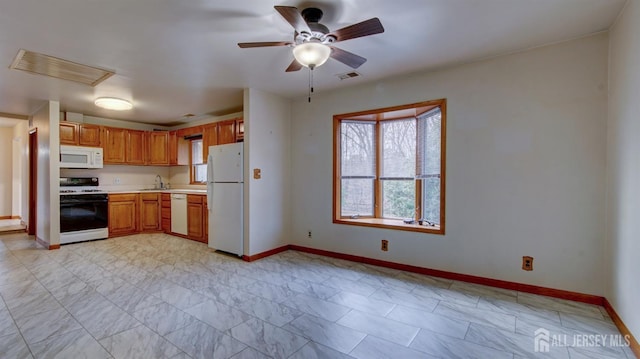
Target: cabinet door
{"points": [[135, 145], [165, 212], [159, 148], [68, 133], [89, 135], [149, 212], [194, 218], [239, 130], [226, 132], [172, 146], [209, 138], [115, 142], [123, 214]]}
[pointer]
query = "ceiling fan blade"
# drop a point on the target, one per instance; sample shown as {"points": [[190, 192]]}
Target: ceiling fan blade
{"points": [[368, 27], [293, 17], [348, 58], [246, 45], [294, 66]]}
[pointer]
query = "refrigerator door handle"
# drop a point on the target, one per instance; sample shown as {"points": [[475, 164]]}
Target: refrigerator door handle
{"points": [[209, 196], [210, 181]]}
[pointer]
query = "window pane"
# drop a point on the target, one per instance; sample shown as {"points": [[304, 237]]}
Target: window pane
{"points": [[431, 199], [356, 197], [398, 148], [429, 143], [196, 152], [398, 199], [199, 173], [358, 151]]}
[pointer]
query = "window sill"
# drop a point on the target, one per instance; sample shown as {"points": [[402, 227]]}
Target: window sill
{"points": [[390, 224]]}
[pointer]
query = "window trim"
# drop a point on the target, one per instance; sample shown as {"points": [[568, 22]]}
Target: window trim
{"points": [[191, 164], [376, 115]]}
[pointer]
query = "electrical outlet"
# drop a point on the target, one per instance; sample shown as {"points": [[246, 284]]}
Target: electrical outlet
{"points": [[117, 180], [527, 263], [385, 245], [309, 234]]}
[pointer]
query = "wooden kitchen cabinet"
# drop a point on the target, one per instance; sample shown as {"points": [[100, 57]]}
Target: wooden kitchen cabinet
{"points": [[69, 133], [195, 216], [115, 145], [150, 212], [172, 146], [135, 153], [123, 214], [79, 134], [165, 212], [89, 135], [158, 148], [209, 138], [239, 130], [190, 131], [226, 132], [178, 149]]}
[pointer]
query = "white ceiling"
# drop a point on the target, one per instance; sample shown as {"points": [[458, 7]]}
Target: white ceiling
{"points": [[176, 57]]}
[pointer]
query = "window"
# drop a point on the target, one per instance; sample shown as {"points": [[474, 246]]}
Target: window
{"points": [[198, 167], [389, 167]]}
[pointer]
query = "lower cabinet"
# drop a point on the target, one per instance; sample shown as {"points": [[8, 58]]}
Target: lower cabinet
{"points": [[123, 214], [149, 212], [195, 218], [131, 213], [165, 212]]}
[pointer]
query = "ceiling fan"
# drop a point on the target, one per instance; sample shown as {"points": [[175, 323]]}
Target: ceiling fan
{"points": [[312, 41]]}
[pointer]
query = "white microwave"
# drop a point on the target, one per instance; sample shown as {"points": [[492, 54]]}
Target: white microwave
{"points": [[80, 157]]}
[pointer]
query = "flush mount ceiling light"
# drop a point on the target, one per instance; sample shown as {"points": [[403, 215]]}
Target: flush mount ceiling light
{"points": [[112, 103], [311, 54]]}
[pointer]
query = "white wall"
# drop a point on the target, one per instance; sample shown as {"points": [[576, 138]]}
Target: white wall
{"points": [[525, 167], [20, 171], [6, 178], [47, 120], [130, 177], [267, 120], [623, 169]]}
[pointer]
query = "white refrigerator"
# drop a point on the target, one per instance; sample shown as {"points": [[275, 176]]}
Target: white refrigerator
{"points": [[225, 187]]}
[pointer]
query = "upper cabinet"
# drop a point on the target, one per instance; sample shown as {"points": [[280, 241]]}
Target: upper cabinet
{"points": [[158, 148], [114, 146], [239, 130], [89, 135], [136, 153], [209, 138], [79, 134], [68, 133], [226, 132]]}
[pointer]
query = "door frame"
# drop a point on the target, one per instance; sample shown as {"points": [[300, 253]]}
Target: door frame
{"points": [[33, 181]]}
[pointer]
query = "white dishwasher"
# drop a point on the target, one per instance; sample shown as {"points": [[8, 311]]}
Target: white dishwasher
{"points": [[179, 213]]}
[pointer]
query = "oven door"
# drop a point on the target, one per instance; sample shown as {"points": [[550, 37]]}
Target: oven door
{"points": [[83, 211]]}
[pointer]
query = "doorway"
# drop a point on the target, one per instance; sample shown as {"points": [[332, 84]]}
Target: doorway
{"points": [[33, 180]]}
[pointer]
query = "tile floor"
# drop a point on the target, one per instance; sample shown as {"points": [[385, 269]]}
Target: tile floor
{"points": [[158, 296]]}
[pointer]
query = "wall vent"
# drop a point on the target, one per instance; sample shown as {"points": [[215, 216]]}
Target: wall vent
{"points": [[41, 64], [348, 75]]}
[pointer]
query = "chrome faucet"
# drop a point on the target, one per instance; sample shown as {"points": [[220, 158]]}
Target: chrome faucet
{"points": [[158, 182]]}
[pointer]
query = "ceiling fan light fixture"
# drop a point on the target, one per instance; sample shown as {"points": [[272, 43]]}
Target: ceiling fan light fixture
{"points": [[311, 54], [113, 103]]}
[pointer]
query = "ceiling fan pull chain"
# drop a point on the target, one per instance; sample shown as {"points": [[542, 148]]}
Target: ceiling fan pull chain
{"points": [[310, 84]]}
